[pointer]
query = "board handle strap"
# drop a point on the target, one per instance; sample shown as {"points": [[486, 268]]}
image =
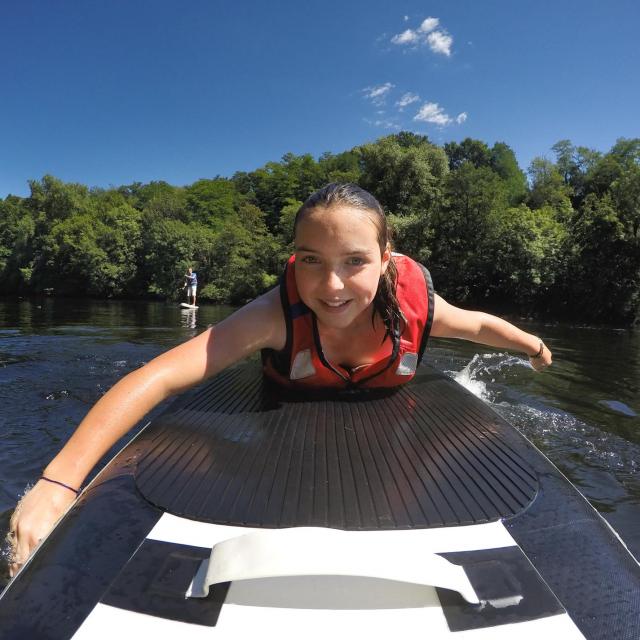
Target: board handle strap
{"points": [[319, 551]]}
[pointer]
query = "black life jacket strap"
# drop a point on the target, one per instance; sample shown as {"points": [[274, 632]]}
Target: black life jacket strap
{"points": [[427, 327]]}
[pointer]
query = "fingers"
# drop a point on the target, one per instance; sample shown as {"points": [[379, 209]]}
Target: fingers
{"points": [[12, 539], [22, 545], [16, 550], [25, 532], [17, 553]]}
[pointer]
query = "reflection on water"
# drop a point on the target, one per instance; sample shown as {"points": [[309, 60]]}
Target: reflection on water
{"points": [[58, 356], [188, 319]]}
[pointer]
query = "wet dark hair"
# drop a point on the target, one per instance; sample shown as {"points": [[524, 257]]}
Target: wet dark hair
{"points": [[385, 301]]}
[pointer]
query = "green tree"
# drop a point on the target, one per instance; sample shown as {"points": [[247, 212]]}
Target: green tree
{"points": [[271, 186], [212, 202], [548, 188], [139, 195], [573, 163], [625, 192], [602, 175], [17, 232], [626, 151], [285, 227], [604, 271], [169, 205], [524, 256], [475, 152], [607, 169], [405, 179], [167, 248], [503, 162], [87, 254], [462, 231], [54, 199], [243, 260], [343, 167]]}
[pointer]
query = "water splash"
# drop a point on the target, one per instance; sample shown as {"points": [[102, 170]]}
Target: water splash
{"points": [[497, 380], [483, 369]]}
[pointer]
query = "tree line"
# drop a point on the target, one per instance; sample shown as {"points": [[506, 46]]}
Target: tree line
{"points": [[562, 243]]}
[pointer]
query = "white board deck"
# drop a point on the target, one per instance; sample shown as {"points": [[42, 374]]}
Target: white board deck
{"points": [[248, 613]]}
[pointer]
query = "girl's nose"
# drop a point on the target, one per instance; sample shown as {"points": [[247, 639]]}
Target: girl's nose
{"points": [[333, 280]]}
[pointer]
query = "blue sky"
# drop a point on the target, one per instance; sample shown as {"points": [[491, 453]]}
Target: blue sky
{"points": [[108, 92]]}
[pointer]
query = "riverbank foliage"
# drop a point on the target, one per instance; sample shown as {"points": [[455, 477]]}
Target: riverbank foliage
{"points": [[563, 243]]}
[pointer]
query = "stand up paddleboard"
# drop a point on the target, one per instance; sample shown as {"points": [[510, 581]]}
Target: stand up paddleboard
{"points": [[244, 511], [184, 305]]}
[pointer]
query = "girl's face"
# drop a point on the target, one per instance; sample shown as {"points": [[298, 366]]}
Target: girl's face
{"points": [[338, 264]]}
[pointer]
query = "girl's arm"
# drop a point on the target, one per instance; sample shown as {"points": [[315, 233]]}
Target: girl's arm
{"points": [[260, 324], [452, 322]]}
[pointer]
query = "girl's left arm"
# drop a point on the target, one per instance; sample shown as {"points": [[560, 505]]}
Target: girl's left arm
{"points": [[453, 322]]}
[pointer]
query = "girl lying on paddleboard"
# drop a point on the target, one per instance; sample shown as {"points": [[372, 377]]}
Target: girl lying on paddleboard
{"points": [[348, 312]]}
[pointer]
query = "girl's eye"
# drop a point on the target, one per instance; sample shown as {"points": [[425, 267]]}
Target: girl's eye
{"points": [[309, 260], [356, 262]]}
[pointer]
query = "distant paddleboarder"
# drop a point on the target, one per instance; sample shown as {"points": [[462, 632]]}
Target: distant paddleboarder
{"points": [[191, 284]]}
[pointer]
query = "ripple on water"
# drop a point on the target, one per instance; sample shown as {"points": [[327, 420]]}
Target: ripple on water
{"points": [[7, 359], [57, 395]]}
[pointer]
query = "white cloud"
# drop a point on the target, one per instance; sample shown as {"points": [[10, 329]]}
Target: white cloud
{"points": [[406, 37], [407, 99], [433, 113], [429, 24], [384, 124], [440, 42], [406, 18], [378, 94]]}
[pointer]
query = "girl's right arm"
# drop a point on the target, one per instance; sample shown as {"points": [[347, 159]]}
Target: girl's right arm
{"points": [[453, 322], [258, 325]]}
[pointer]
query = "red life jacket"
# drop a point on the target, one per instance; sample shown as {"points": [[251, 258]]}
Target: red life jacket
{"points": [[302, 363]]}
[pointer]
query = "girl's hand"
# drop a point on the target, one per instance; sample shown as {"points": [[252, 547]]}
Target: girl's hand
{"points": [[33, 518], [542, 361]]}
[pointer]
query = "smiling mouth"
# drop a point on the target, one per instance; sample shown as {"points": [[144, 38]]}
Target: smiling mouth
{"points": [[334, 305]]}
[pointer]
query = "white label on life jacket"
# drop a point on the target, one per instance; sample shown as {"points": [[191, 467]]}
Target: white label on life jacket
{"points": [[302, 366], [408, 364]]}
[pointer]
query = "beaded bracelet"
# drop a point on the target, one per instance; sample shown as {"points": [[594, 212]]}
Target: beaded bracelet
{"points": [[62, 484], [539, 354]]}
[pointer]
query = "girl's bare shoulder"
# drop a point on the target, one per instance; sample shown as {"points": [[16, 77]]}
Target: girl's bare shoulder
{"points": [[262, 320]]}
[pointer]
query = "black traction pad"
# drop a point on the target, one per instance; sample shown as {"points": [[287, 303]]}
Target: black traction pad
{"points": [[156, 579], [239, 451]]}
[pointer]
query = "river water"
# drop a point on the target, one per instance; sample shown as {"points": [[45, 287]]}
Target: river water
{"points": [[57, 357]]}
